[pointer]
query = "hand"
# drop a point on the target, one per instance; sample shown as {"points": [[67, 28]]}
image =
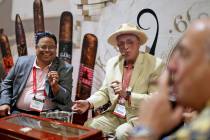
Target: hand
{"points": [[4, 110], [117, 87], [53, 77], [81, 106], [156, 112], [189, 114]]}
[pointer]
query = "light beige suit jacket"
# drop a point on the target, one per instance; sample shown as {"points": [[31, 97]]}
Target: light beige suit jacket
{"points": [[146, 69]]}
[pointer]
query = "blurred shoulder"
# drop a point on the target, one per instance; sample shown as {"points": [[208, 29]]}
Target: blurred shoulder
{"points": [[24, 59]]}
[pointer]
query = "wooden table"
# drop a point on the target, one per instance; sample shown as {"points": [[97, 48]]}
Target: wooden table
{"points": [[25, 126]]}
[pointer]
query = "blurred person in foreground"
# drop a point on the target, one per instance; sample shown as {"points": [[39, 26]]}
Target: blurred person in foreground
{"points": [[37, 83], [190, 69], [127, 82]]}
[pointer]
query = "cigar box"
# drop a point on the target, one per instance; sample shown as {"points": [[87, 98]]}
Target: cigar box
{"points": [[24, 126]]}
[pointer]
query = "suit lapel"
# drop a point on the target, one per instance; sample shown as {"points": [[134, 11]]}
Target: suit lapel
{"points": [[116, 74], [138, 68], [54, 66], [119, 70], [27, 70]]}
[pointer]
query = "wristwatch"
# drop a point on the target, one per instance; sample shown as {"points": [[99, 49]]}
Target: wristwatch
{"points": [[142, 131]]}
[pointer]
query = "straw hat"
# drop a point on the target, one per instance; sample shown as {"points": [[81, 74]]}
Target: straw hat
{"points": [[127, 29]]}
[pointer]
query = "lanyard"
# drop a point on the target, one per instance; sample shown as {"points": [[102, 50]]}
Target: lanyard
{"points": [[127, 72], [35, 82]]}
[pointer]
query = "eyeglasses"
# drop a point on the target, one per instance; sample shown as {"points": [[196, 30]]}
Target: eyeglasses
{"points": [[121, 45], [46, 47]]}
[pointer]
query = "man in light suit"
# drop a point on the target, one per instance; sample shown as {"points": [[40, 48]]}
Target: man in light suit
{"points": [[128, 81], [37, 83]]}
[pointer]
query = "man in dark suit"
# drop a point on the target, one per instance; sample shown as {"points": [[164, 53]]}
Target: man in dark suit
{"points": [[37, 83]]}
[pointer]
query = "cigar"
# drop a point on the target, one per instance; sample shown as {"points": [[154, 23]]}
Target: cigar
{"points": [[20, 37], [90, 44], [65, 36], [84, 85], [6, 52], [38, 16]]}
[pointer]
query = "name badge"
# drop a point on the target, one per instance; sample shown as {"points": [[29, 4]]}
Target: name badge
{"points": [[120, 111], [37, 104]]}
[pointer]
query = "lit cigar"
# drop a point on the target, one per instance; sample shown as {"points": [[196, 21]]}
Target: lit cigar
{"points": [[65, 36], [6, 52], [38, 16], [20, 36]]}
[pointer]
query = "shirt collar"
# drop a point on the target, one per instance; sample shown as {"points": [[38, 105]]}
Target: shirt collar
{"points": [[129, 66], [38, 67]]}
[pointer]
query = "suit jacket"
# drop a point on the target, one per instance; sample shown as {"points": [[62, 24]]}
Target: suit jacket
{"points": [[14, 83], [146, 69]]}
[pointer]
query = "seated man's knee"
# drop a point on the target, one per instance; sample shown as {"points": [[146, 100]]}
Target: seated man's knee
{"points": [[88, 122], [122, 131], [102, 123], [94, 123]]}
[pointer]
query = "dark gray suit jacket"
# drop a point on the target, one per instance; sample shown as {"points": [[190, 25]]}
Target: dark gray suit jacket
{"points": [[14, 83]]}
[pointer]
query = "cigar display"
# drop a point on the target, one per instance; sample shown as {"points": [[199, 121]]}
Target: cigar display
{"points": [[6, 52], [2, 71], [87, 63], [38, 16], [20, 37], [65, 36]]}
